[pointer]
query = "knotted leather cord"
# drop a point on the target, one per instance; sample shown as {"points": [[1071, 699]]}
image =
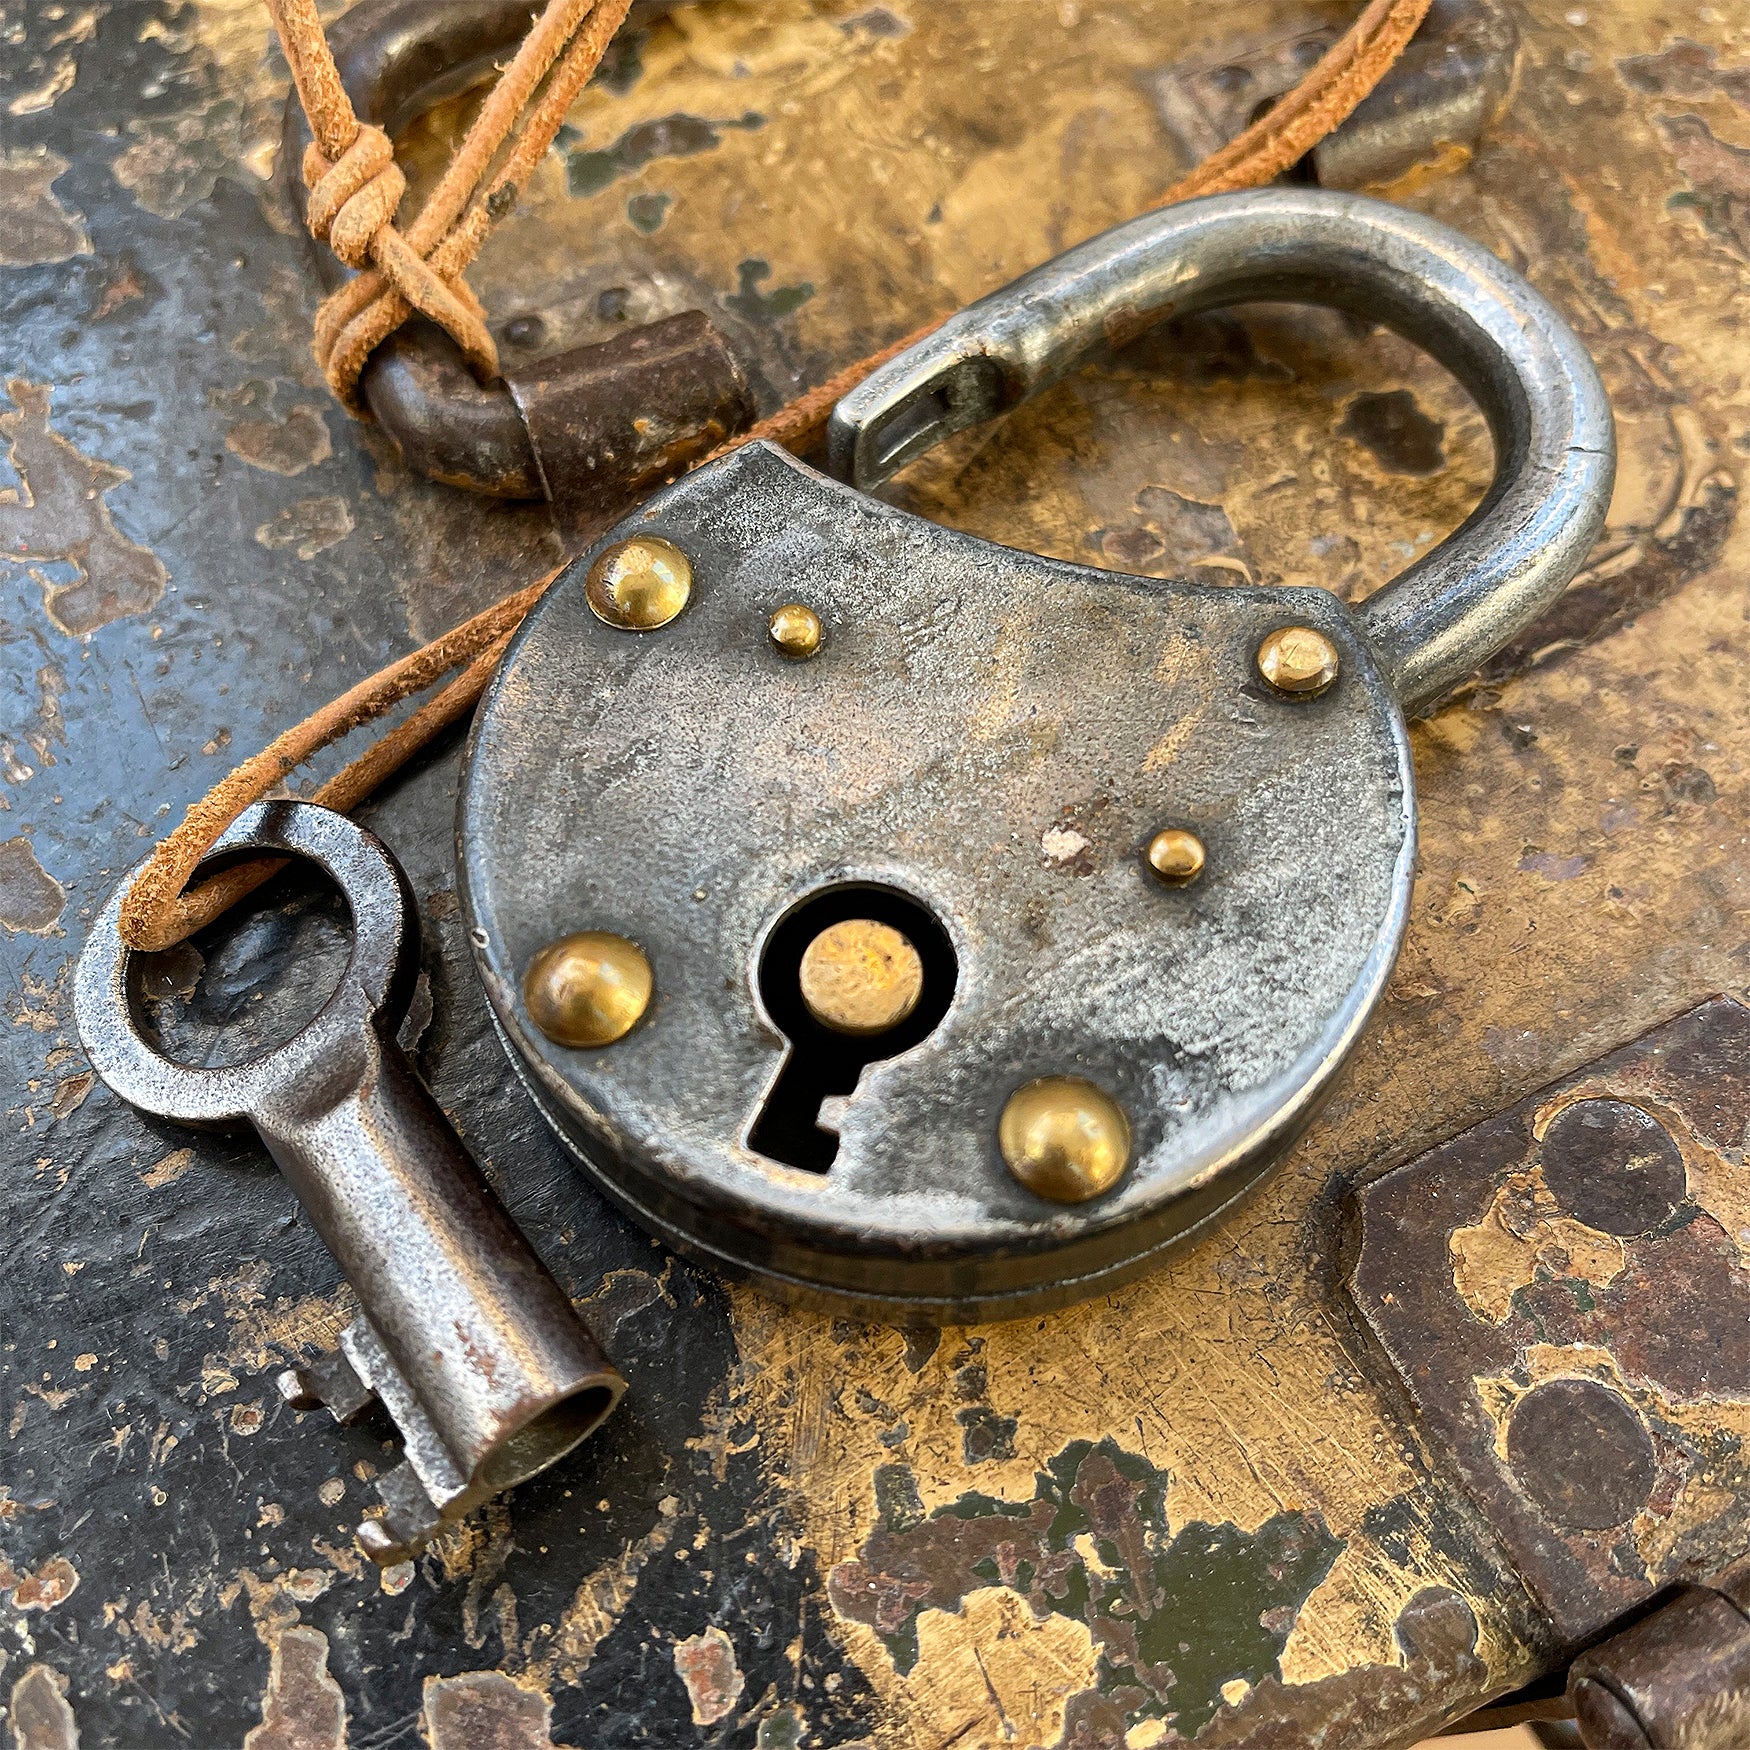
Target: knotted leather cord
{"points": [[355, 187]]}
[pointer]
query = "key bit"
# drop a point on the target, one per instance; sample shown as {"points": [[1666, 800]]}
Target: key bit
{"points": [[464, 1337], [328, 1380]]}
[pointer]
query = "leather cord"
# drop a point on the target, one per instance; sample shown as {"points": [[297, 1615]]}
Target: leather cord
{"points": [[573, 34]]}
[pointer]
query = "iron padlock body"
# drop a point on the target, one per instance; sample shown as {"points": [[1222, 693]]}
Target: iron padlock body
{"points": [[991, 738]]}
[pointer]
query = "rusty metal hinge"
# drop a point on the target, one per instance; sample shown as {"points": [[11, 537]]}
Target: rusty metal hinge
{"points": [[1679, 1679]]}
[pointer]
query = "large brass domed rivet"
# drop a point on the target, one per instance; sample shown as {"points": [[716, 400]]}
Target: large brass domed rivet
{"points": [[589, 989], [640, 584], [861, 977], [796, 631], [1176, 856], [1298, 661], [1064, 1138]]}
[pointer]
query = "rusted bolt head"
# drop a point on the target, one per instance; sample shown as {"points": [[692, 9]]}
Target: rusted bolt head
{"points": [[795, 631], [1064, 1138], [640, 584], [589, 989], [1176, 856], [861, 977], [1298, 661]]}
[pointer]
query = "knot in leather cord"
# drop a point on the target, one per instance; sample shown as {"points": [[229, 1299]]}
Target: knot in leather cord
{"points": [[354, 197], [355, 185]]}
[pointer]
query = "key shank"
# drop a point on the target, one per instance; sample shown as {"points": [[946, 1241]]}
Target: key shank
{"points": [[466, 1337]]}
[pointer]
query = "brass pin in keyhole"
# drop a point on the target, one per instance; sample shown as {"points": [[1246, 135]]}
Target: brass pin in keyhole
{"points": [[861, 977]]}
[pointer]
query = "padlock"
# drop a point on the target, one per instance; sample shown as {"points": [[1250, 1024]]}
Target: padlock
{"points": [[937, 931]]}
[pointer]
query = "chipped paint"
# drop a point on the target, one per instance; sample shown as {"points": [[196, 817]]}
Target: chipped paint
{"points": [[222, 112], [31, 899], [1175, 1612], [36, 227], [596, 1607], [705, 1663], [265, 1332], [58, 515], [1229, 1373], [1435, 1658], [1559, 1358], [53, 1583], [485, 1710], [310, 526], [288, 445], [168, 1170], [1526, 1237], [42, 1717], [303, 1708]]}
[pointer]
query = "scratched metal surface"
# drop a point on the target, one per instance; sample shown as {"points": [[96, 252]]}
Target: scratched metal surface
{"points": [[1194, 1511]]}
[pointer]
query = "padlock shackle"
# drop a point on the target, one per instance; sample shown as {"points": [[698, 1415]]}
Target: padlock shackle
{"points": [[1555, 441]]}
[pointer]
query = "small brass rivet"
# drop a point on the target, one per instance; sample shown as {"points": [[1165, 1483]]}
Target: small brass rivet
{"points": [[640, 584], [1298, 661], [588, 989], [1064, 1139], [1176, 856], [861, 977], [795, 631]]}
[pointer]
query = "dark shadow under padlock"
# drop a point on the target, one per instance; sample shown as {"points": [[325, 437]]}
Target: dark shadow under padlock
{"points": [[1165, 832]]}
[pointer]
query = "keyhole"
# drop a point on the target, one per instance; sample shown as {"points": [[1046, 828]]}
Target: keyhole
{"points": [[852, 976]]}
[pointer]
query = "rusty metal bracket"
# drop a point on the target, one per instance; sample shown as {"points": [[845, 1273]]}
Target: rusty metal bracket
{"points": [[1424, 118], [589, 428], [1563, 1291]]}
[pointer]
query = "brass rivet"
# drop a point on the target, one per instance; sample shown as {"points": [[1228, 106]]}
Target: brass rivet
{"points": [[1298, 661], [861, 977], [1064, 1139], [588, 989], [640, 584], [1176, 856], [795, 631]]}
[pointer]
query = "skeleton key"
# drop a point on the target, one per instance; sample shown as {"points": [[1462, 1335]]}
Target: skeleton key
{"points": [[463, 1335]]}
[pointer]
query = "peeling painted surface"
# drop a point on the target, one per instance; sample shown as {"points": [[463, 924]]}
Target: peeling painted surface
{"points": [[286, 445], [31, 899], [705, 1663], [1177, 1612], [1582, 806], [1587, 1358], [42, 1717], [221, 114], [53, 1583], [308, 527], [303, 1708], [57, 515], [35, 226], [485, 1710]]}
